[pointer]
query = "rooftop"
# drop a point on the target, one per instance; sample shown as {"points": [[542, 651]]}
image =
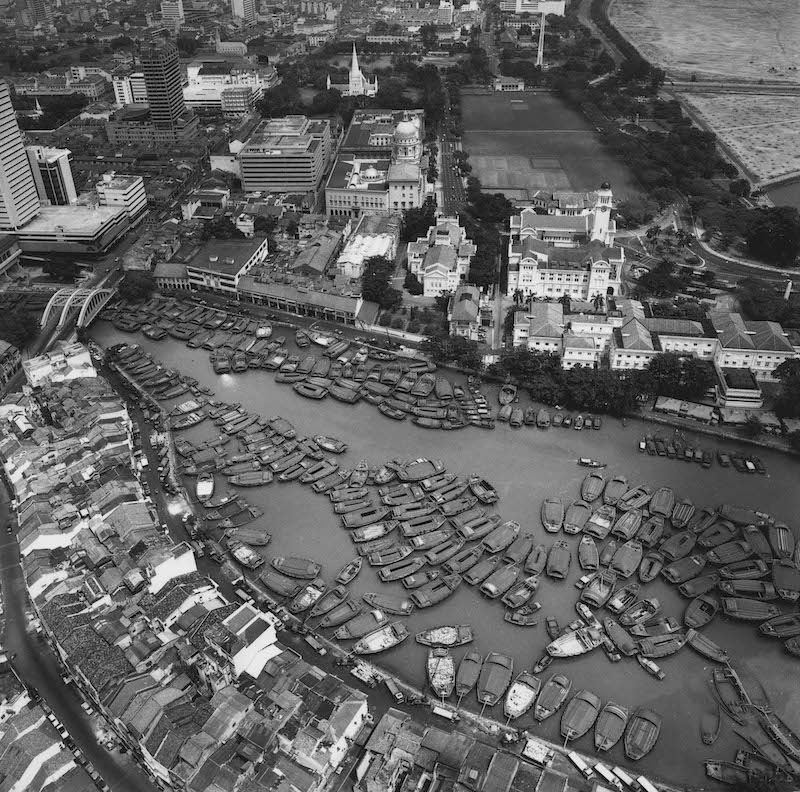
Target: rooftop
{"points": [[226, 256], [85, 220]]}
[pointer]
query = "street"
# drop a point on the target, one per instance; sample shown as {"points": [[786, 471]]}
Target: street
{"points": [[36, 665], [453, 191]]}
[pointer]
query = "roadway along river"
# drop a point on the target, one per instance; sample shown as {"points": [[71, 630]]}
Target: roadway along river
{"points": [[526, 465]]}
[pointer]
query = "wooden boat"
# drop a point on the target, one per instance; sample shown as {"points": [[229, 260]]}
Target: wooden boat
{"points": [[558, 560], [309, 595], [391, 603], [518, 550], [710, 723], [579, 715], [369, 514], [524, 616], [641, 733], [420, 469], [703, 645], [781, 540], [627, 525], [787, 741], [755, 589], [785, 626], [551, 697], [521, 592], [280, 584], [521, 695], [684, 569], [730, 693], [651, 667], [444, 551], [590, 463], [751, 569], [600, 522], [418, 526], [792, 646], [537, 560], [446, 636], [599, 589], [431, 539], [588, 554], [441, 671], [623, 598], [542, 663], [374, 531], [641, 611], [436, 591], [500, 581], [719, 533], [616, 487], [552, 514], [758, 541], [386, 637], [730, 552], [657, 626], [610, 726], [483, 490], [329, 600], [496, 674], [621, 638], [651, 565], [578, 422], [463, 560], [627, 558], [702, 519], [607, 553], [204, 489], [682, 512], [662, 502], [727, 772], [577, 516], [635, 498], [347, 493], [469, 670], [700, 611], [553, 627], [786, 578], [574, 643], [651, 530], [389, 556], [477, 526], [678, 545], [501, 537], [417, 579], [296, 567], [342, 613], [400, 569], [748, 609], [661, 645], [592, 486], [349, 571], [543, 419], [507, 394], [481, 570]]}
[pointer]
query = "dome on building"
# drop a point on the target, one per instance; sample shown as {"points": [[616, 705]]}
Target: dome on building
{"points": [[406, 129], [370, 174]]}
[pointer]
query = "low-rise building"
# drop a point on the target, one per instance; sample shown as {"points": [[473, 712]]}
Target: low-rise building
{"points": [[540, 328], [10, 252], [220, 263], [171, 275], [10, 362], [758, 346], [506, 84], [579, 351], [464, 313], [375, 235], [441, 260], [124, 192]]}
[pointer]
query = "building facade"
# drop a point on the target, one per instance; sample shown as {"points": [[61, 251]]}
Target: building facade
{"points": [[124, 192], [129, 89], [52, 173], [245, 10], [441, 259], [219, 264]]}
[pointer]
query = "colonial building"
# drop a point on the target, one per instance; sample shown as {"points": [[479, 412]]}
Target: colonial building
{"points": [[358, 83], [441, 259], [377, 183], [469, 313], [540, 328], [569, 251]]}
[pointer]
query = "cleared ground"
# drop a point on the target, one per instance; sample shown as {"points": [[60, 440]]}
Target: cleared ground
{"points": [[520, 143], [763, 132], [738, 39]]}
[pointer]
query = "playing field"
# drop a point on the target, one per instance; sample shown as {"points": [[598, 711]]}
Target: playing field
{"points": [[522, 142], [739, 39]]}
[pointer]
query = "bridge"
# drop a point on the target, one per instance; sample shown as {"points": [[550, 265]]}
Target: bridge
{"points": [[66, 302]]}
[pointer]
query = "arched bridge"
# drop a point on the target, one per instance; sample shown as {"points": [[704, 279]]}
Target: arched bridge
{"points": [[86, 302]]}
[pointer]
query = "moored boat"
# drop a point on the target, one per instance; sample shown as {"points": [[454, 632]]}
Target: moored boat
{"points": [[718, 533], [362, 624], [623, 598], [661, 645], [521, 695], [558, 560], [552, 514], [592, 486], [785, 626], [386, 637], [610, 726], [349, 571], [662, 502], [703, 645], [342, 613], [640, 612], [296, 567], [579, 715], [495, 677], [627, 558], [447, 636], [710, 723], [500, 581], [441, 670], [577, 516], [600, 522], [599, 589], [684, 569], [750, 569], [483, 490], [730, 552], [678, 545], [575, 643], [786, 578], [748, 609], [616, 487], [329, 600], [681, 514], [641, 733], [391, 603], [537, 560], [309, 595], [755, 589], [436, 591], [700, 611], [651, 565], [469, 670], [621, 638], [551, 697], [588, 554]]}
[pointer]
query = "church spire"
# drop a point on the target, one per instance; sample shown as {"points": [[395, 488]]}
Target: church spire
{"points": [[354, 70]]}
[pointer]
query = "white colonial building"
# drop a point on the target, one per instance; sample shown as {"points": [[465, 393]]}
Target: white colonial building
{"points": [[358, 83], [570, 250], [441, 259]]}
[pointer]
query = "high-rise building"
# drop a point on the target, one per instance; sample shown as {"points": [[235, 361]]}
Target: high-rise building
{"points": [[162, 79], [52, 173], [130, 89], [19, 201], [172, 13], [244, 10]]}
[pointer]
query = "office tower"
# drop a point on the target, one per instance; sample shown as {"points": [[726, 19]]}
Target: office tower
{"points": [[244, 10], [52, 174], [129, 89], [172, 13], [162, 78], [19, 201]]}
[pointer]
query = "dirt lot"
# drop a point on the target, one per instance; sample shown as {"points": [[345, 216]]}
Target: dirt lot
{"points": [[738, 39], [763, 132], [522, 142]]}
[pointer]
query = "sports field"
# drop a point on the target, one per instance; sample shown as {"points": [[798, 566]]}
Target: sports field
{"points": [[522, 142]]}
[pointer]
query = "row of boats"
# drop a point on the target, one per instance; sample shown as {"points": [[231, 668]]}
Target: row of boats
{"points": [[675, 448]]}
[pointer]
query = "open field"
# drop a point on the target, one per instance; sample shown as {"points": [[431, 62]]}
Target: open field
{"points": [[762, 132], [522, 142], [738, 39]]}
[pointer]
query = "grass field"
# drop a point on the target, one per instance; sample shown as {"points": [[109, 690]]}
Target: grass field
{"points": [[763, 132], [522, 142], [739, 39]]}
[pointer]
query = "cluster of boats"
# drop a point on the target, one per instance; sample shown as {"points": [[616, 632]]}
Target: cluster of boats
{"points": [[675, 448], [516, 417]]}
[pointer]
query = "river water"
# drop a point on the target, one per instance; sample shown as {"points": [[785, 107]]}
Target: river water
{"points": [[526, 465]]}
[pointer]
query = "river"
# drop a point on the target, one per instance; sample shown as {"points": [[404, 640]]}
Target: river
{"points": [[526, 465]]}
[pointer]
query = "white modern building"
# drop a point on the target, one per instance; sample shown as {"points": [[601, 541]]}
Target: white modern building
{"points": [[216, 84], [245, 10], [172, 13], [441, 259], [52, 173], [19, 200], [129, 89], [124, 192], [220, 263]]}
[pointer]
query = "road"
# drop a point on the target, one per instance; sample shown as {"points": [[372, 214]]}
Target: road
{"points": [[36, 665], [453, 193], [585, 17]]}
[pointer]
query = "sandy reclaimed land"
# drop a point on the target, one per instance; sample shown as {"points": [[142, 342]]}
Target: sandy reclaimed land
{"points": [[715, 39], [762, 132]]}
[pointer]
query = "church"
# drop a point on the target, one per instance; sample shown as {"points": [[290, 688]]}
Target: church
{"points": [[358, 84]]}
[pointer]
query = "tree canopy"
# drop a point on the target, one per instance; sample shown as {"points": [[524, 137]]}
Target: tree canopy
{"points": [[680, 377], [418, 220], [773, 234], [136, 285], [18, 327], [376, 283], [788, 403], [453, 349]]}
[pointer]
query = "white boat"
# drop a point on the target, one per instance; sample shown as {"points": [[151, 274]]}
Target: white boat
{"points": [[575, 643], [521, 695], [381, 639], [441, 670], [204, 488]]}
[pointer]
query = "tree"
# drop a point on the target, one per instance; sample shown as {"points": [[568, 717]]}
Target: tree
{"points": [[566, 301], [187, 46], [417, 221], [508, 322], [136, 285], [222, 228], [18, 327], [598, 302], [412, 284], [740, 187], [428, 36], [752, 426], [680, 377], [788, 403], [453, 349], [636, 212], [376, 283], [65, 271], [773, 234]]}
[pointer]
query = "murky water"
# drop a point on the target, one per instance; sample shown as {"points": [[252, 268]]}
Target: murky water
{"points": [[526, 465]]}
